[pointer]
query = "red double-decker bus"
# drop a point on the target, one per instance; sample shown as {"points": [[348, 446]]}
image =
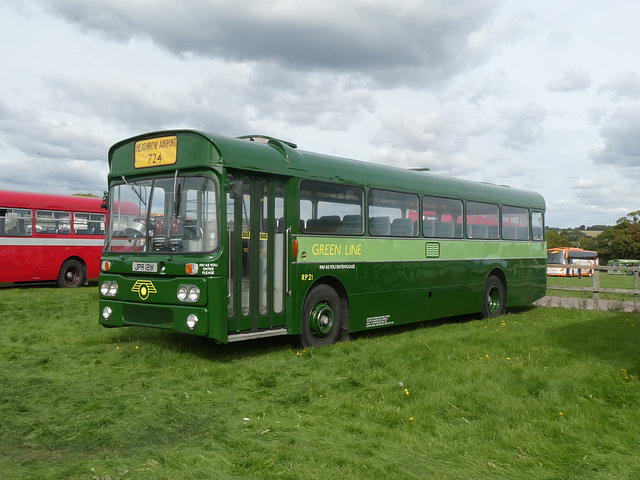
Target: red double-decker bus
{"points": [[50, 238]]}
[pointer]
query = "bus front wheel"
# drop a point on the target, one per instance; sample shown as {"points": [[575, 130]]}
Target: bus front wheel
{"points": [[494, 301], [321, 317], [71, 274]]}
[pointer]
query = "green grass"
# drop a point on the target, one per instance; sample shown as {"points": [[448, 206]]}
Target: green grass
{"points": [[606, 281], [539, 393]]}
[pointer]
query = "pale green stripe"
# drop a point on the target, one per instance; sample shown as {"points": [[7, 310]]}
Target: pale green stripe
{"points": [[365, 249]]}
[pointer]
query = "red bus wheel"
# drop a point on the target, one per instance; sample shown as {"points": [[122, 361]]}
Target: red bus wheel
{"points": [[72, 274]]}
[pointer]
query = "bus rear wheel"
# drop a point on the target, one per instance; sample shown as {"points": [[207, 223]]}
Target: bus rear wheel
{"points": [[494, 300], [71, 274], [322, 315]]}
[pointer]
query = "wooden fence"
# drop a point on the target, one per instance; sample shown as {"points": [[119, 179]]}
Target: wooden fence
{"points": [[596, 290]]}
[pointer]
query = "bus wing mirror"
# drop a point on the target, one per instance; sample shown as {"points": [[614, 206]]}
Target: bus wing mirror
{"points": [[234, 188], [105, 201]]}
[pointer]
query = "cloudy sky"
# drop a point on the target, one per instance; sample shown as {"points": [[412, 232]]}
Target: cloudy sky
{"points": [[540, 95]]}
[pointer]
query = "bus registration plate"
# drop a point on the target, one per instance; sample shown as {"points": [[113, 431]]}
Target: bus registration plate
{"points": [[145, 267]]}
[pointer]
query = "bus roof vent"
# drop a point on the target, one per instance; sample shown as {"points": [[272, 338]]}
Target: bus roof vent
{"points": [[496, 185], [267, 139], [419, 169]]}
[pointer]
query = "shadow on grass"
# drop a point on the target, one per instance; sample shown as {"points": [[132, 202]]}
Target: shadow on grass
{"points": [[209, 349], [202, 347], [613, 337]]}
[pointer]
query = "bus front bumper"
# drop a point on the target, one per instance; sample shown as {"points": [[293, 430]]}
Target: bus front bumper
{"points": [[179, 318]]}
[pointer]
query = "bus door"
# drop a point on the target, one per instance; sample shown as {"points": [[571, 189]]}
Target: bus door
{"points": [[257, 240]]}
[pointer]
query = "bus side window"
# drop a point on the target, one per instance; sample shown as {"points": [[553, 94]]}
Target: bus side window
{"points": [[442, 217], [537, 225], [479, 213], [515, 223], [330, 208], [392, 213], [15, 222]]}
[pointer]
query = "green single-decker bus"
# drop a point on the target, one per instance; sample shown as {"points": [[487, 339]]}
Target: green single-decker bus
{"points": [[250, 237]]}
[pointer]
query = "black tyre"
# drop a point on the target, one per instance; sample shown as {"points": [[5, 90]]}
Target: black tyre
{"points": [[71, 274], [322, 315], [494, 300]]}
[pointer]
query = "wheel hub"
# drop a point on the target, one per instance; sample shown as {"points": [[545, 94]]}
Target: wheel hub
{"points": [[321, 320], [493, 300]]}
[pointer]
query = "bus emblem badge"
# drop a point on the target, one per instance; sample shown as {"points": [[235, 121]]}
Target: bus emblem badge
{"points": [[144, 288]]}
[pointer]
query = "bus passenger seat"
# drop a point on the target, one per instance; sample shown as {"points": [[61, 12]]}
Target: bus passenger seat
{"points": [[326, 224], [380, 226], [444, 229], [522, 233], [351, 225], [508, 232], [402, 227], [429, 228], [477, 231]]}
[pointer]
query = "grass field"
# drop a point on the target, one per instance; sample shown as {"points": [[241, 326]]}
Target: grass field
{"points": [[606, 281], [537, 394]]}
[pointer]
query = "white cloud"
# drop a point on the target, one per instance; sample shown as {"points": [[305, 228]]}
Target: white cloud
{"points": [[619, 131], [624, 86], [570, 81], [469, 90], [392, 44], [524, 126]]}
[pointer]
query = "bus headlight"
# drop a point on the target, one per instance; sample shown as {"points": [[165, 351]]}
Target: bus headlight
{"points": [[194, 294], [192, 321], [109, 289], [106, 313], [183, 291], [188, 293]]}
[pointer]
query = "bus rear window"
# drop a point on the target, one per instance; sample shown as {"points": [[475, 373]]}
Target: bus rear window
{"points": [[537, 225]]}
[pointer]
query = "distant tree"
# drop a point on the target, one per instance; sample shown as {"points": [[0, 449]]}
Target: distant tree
{"points": [[625, 242], [598, 228], [84, 195], [588, 243], [564, 237], [619, 241], [555, 239], [574, 234]]}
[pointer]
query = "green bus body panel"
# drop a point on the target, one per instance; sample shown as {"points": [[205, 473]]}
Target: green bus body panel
{"points": [[388, 281], [392, 282]]}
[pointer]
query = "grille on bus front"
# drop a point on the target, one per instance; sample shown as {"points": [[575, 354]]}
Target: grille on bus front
{"points": [[151, 316]]}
